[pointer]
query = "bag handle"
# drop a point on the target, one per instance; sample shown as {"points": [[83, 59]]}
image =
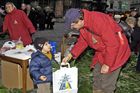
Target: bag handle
{"points": [[64, 65]]}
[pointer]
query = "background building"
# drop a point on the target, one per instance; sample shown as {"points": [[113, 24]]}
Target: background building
{"points": [[60, 6], [136, 4], [119, 5]]}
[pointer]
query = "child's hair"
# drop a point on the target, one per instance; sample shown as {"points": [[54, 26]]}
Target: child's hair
{"points": [[39, 42]]}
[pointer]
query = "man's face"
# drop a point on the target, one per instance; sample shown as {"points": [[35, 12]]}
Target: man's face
{"points": [[9, 8], [77, 24]]}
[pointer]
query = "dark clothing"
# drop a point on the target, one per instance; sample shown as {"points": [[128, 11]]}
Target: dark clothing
{"points": [[49, 16], [41, 19], [138, 63], [126, 29], [136, 34], [33, 17], [40, 65], [135, 39], [1, 23], [137, 16], [135, 45]]}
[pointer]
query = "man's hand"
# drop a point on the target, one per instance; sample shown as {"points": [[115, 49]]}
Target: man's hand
{"points": [[67, 58], [43, 78], [104, 69]]}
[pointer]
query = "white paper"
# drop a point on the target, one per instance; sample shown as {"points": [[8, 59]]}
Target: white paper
{"points": [[22, 54]]}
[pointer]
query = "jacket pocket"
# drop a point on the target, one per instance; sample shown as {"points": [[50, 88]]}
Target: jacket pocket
{"points": [[97, 43]]}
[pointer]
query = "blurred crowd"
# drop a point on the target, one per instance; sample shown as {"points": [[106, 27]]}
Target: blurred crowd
{"points": [[2, 14], [130, 23], [41, 18]]}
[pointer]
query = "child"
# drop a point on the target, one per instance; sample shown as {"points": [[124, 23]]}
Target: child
{"points": [[40, 66]]}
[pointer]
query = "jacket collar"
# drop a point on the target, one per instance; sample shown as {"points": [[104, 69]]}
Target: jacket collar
{"points": [[12, 12], [88, 19]]}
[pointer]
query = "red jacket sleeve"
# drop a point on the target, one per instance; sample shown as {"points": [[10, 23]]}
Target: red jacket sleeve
{"points": [[5, 24], [28, 23], [79, 47]]}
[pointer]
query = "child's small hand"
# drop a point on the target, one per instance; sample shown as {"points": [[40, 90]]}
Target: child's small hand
{"points": [[43, 78]]}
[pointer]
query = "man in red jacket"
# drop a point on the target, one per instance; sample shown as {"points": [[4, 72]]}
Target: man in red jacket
{"points": [[17, 24], [100, 32]]}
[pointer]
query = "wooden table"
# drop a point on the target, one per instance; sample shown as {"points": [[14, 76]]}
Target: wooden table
{"points": [[23, 64]]}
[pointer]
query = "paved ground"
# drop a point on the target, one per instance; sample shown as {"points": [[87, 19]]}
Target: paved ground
{"points": [[55, 35]]}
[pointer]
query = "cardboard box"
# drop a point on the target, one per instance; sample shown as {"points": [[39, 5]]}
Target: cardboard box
{"points": [[12, 76]]}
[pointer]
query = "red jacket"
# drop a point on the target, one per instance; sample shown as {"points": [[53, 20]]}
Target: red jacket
{"points": [[18, 25], [111, 48]]}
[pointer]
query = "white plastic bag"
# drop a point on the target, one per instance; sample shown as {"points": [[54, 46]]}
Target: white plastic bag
{"points": [[57, 57], [65, 80], [9, 44]]}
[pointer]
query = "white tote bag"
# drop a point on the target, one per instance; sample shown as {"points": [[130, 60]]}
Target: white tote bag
{"points": [[65, 80]]}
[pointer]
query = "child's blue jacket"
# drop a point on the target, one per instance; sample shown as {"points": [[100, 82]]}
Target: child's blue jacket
{"points": [[40, 65]]}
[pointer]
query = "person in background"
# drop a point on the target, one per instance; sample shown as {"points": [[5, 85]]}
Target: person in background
{"points": [[17, 24], [32, 15], [1, 23], [135, 44], [126, 14], [50, 17], [2, 14], [125, 27], [131, 21], [23, 7], [134, 13], [40, 17], [100, 32], [40, 66]]}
